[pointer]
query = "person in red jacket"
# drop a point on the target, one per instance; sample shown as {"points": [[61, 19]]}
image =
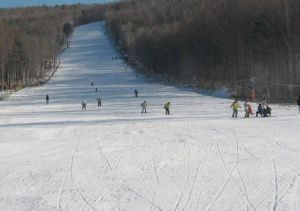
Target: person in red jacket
{"points": [[249, 110]]}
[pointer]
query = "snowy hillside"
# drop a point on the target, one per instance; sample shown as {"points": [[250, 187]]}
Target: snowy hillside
{"points": [[58, 157]]}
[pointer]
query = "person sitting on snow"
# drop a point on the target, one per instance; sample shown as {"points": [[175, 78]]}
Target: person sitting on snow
{"points": [[264, 111], [259, 110], [268, 108]]}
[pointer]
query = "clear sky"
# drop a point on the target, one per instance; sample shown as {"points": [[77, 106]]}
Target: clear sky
{"points": [[23, 3]]}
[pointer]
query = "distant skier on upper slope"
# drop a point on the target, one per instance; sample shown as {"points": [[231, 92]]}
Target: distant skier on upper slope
{"points": [[47, 99]]}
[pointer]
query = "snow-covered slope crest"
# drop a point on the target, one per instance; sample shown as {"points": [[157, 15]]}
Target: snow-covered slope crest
{"points": [[57, 157]]}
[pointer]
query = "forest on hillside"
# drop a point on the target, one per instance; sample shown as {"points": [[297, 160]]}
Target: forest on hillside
{"points": [[32, 38], [239, 44]]}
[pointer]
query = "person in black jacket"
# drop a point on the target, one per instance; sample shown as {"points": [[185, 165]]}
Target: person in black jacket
{"points": [[269, 110], [136, 93], [259, 110], [99, 100], [298, 102], [47, 99]]}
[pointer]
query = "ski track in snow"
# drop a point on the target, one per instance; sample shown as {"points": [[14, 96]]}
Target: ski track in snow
{"points": [[58, 157], [275, 201]]}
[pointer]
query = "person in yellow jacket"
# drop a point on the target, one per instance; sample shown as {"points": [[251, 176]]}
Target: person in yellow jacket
{"points": [[167, 108], [235, 106]]}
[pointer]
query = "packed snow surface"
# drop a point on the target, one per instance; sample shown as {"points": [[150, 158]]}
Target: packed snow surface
{"points": [[58, 157]]}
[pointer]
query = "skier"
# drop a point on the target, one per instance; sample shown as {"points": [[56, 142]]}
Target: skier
{"points": [[250, 111], [246, 108], [167, 108], [96, 90], [47, 99], [259, 110], [136, 93], [83, 104], [298, 102], [268, 109], [235, 106], [144, 107], [92, 84], [264, 110], [99, 100]]}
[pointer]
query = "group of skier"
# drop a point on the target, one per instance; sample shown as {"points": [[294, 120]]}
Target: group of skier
{"points": [[84, 103], [144, 104], [99, 102], [166, 107], [263, 109]]}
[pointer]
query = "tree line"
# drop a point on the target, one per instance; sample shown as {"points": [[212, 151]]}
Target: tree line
{"points": [[32, 38], [214, 43]]}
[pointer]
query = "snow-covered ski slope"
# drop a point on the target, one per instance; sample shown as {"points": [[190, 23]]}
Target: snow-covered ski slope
{"points": [[57, 157]]}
